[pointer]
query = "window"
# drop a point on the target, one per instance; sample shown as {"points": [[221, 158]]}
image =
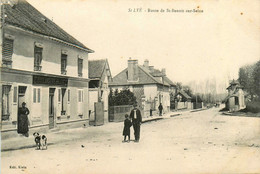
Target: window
{"points": [[80, 95], [37, 58], [80, 67], [7, 51], [36, 95], [6, 102], [63, 64]]}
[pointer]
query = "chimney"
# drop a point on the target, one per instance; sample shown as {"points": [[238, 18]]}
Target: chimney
{"points": [[132, 70], [163, 72], [146, 63], [151, 68], [13, 2]]}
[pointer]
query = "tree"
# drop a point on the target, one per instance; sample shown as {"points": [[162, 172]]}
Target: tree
{"points": [[124, 97], [178, 86], [246, 79], [256, 79], [188, 90]]}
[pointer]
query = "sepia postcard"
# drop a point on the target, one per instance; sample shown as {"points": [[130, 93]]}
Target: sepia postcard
{"points": [[130, 86]]}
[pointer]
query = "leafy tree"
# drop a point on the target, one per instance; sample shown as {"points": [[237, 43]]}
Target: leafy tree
{"points": [[188, 90], [246, 79], [179, 86], [256, 79], [124, 97]]}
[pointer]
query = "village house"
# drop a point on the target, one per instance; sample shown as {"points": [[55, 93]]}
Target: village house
{"points": [[100, 76], [149, 85], [43, 66], [236, 98], [183, 100]]}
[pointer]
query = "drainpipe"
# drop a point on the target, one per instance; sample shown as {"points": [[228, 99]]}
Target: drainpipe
{"points": [[1, 44]]}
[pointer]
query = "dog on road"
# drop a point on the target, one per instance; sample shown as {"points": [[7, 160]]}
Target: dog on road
{"points": [[40, 140]]}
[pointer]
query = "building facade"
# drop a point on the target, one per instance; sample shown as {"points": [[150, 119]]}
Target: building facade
{"points": [[149, 85], [236, 98], [100, 76], [43, 66]]}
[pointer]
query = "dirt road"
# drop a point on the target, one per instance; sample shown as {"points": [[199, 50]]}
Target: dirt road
{"points": [[199, 142]]}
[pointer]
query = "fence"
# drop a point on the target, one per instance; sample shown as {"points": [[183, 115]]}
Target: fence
{"points": [[117, 113]]}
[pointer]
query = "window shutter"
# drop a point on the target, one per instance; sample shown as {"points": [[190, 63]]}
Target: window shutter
{"points": [[68, 95], [7, 48], [39, 95], [59, 95], [15, 94], [34, 95], [80, 66]]}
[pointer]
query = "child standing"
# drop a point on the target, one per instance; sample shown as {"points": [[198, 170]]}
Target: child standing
{"points": [[127, 125]]}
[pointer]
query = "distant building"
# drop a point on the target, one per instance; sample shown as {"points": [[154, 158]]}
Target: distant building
{"points": [[43, 66], [236, 98], [183, 101], [150, 86], [100, 76]]}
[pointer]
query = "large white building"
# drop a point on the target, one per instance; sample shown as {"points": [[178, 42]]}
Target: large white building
{"points": [[43, 66]]}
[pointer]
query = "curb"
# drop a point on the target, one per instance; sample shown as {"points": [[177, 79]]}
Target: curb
{"points": [[199, 110], [153, 119], [174, 115]]}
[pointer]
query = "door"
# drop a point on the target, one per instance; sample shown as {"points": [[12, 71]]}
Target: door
{"points": [[51, 107]]}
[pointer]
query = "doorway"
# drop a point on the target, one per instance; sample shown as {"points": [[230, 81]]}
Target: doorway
{"points": [[51, 107]]}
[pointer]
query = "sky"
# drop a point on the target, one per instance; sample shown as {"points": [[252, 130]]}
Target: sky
{"points": [[190, 46]]}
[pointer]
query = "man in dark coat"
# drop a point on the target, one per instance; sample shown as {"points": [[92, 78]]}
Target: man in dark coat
{"points": [[136, 118]]}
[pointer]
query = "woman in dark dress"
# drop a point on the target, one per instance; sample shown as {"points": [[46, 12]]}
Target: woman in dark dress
{"points": [[127, 125], [23, 121]]}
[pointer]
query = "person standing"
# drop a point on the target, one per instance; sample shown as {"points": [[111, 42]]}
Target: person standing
{"points": [[127, 125], [160, 109], [23, 121], [136, 118]]}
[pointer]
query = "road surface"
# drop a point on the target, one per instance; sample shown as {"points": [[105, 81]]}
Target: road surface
{"points": [[199, 142]]}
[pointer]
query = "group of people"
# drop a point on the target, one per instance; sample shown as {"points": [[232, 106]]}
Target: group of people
{"points": [[135, 119]]}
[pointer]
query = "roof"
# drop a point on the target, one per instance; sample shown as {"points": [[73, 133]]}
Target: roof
{"points": [[184, 94], [25, 16], [145, 77], [96, 68], [234, 83]]}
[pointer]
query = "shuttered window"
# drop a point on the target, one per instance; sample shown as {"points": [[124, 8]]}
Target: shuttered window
{"points": [[80, 67], [63, 64], [6, 102], [37, 58], [8, 49], [36, 95], [80, 95]]}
